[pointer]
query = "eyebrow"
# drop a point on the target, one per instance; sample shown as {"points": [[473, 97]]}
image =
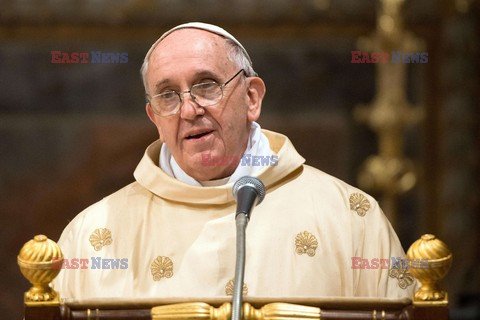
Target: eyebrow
{"points": [[198, 75]]}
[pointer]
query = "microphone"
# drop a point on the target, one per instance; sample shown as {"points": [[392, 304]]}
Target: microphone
{"points": [[248, 192]]}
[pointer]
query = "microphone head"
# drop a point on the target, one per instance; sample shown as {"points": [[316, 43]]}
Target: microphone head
{"points": [[252, 182]]}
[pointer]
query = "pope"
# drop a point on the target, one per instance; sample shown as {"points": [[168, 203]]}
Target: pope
{"points": [[175, 224]]}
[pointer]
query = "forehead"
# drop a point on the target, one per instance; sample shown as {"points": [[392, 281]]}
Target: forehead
{"points": [[190, 49]]}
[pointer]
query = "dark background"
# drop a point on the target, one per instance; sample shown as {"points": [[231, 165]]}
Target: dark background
{"points": [[71, 134]]}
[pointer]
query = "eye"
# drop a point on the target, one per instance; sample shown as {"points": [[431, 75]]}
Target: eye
{"points": [[168, 96], [205, 89], [206, 86]]}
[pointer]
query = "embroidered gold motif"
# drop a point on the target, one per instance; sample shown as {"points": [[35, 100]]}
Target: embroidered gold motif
{"points": [[359, 203], [100, 237], [229, 288], [404, 277], [306, 242], [162, 267]]}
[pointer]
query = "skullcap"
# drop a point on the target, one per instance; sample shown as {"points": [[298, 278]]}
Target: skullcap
{"points": [[202, 26]]}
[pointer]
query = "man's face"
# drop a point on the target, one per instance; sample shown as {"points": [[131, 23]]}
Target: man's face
{"points": [[188, 57]]}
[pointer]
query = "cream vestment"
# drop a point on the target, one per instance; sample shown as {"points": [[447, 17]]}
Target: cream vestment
{"points": [[170, 239]]}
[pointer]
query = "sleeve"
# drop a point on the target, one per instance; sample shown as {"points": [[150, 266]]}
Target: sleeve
{"points": [[91, 250], [377, 255], [69, 250], [75, 280]]}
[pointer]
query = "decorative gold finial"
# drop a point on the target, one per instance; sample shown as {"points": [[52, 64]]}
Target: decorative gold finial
{"points": [[439, 262], [35, 262]]}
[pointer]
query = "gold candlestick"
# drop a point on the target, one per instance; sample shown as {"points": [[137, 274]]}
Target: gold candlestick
{"points": [[389, 172]]}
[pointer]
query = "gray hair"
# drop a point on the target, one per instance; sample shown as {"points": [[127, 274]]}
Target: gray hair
{"points": [[235, 54]]}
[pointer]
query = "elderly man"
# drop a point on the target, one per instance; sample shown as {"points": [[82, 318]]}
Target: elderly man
{"points": [[171, 233]]}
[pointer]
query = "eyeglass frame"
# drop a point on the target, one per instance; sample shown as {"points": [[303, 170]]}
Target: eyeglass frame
{"points": [[180, 95]]}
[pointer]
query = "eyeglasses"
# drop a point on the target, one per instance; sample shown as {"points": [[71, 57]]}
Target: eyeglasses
{"points": [[204, 94]]}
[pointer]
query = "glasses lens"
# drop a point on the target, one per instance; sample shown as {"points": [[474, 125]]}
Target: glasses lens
{"points": [[207, 94], [166, 103]]}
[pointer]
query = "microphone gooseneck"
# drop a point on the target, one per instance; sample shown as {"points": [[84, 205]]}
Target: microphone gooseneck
{"points": [[248, 192]]}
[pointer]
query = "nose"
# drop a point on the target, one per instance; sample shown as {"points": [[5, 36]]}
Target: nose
{"points": [[190, 109]]}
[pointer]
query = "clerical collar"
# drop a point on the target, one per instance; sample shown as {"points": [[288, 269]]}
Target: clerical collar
{"points": [[257, 145]]}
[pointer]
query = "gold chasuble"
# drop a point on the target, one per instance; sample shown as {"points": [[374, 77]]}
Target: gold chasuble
{"points": [[312, 236]]}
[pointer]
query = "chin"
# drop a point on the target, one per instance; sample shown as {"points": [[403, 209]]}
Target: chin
{"points": [[200, 171], [203, 167], [206, 173], [202, 176]]}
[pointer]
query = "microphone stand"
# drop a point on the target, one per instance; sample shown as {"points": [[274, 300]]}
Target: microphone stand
{"points": [[248, 192], [241, 222]]}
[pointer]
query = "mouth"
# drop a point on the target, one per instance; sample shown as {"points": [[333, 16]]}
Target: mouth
{"points": [[198, 135]]}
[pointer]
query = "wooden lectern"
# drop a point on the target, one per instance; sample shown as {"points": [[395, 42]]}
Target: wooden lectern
{"points": [[37, 257]]}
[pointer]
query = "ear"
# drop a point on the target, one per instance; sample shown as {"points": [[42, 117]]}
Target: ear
{"points": [[256, 92], [150, 112], [154, 118]]}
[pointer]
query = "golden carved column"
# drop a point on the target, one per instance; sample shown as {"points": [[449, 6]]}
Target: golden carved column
{"points": [[389, 172]]}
